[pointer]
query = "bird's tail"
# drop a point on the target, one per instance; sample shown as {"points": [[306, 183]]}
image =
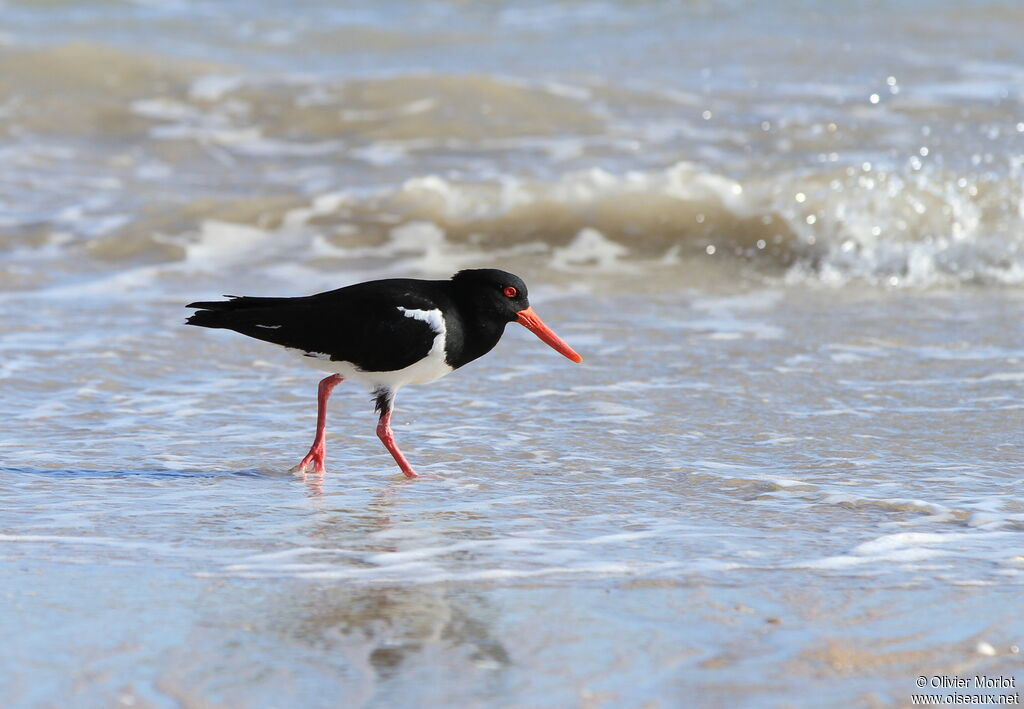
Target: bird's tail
{"points": [[218, 313], [207, 318]]}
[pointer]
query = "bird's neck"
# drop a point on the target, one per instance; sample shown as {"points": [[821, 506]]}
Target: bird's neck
{"points": [[477, 335]]}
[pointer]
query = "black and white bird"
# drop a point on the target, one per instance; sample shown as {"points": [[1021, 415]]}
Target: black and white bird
{"points": [[386, 334]]}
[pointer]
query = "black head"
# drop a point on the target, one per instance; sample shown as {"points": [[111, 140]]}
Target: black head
{"points": [[500, 294], [501, 297]]}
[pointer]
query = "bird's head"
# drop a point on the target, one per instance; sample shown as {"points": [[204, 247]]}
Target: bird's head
{"points": [[503, 295]]}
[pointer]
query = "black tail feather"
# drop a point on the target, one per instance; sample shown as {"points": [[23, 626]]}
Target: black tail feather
{"points": [[207, 318], [236, 313], [240, 302]]}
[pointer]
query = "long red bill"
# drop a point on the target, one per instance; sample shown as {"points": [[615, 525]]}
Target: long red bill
{"points": [[532, 322]]}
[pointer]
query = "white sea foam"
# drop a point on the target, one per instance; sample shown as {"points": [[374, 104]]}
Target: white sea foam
{"points": [[213, 87], [905, 549], [590, 248], [690, 213]]}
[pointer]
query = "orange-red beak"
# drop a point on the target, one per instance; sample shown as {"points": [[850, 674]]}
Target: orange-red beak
{"points": [[532, 322]]}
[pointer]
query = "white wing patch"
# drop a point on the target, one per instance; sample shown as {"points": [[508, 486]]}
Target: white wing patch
{"points": [[434, 318], [269, 327]]}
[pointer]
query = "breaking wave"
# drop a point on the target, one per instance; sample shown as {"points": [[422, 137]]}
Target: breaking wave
{"points": [[837, 227]]}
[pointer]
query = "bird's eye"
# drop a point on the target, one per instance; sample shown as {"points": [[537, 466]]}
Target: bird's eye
{"points": [[511, 291]]}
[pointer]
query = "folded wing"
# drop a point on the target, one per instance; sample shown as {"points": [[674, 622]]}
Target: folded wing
{"points": [[371, 332]]}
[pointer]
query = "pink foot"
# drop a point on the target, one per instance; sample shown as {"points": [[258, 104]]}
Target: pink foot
{"points": [[318, 450], [314, 458]]}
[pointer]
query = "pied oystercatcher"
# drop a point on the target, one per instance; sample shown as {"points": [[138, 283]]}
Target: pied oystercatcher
{"points": [[386, 334]]}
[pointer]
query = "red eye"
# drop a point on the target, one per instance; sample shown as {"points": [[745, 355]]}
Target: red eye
{"points": [[511, 292]]}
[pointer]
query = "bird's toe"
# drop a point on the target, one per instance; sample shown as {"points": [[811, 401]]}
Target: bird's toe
{"points": [[311, 463]]}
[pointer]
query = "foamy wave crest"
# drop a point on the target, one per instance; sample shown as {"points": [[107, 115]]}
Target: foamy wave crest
{"points": [[891, 228], [850, 225], [899, 229]]}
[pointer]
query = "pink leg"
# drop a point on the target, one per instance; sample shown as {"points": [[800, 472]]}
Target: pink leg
{"points": [[319, 448], [388, 439]]}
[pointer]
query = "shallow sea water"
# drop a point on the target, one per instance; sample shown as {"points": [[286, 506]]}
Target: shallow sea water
{"points": [[735, 500], [786, 238]]}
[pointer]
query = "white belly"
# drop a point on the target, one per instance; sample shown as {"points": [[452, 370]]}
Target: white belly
{"points": [[428, 369]]}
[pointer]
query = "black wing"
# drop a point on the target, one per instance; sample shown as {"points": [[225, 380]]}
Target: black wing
{"points": [[362, 324]]}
